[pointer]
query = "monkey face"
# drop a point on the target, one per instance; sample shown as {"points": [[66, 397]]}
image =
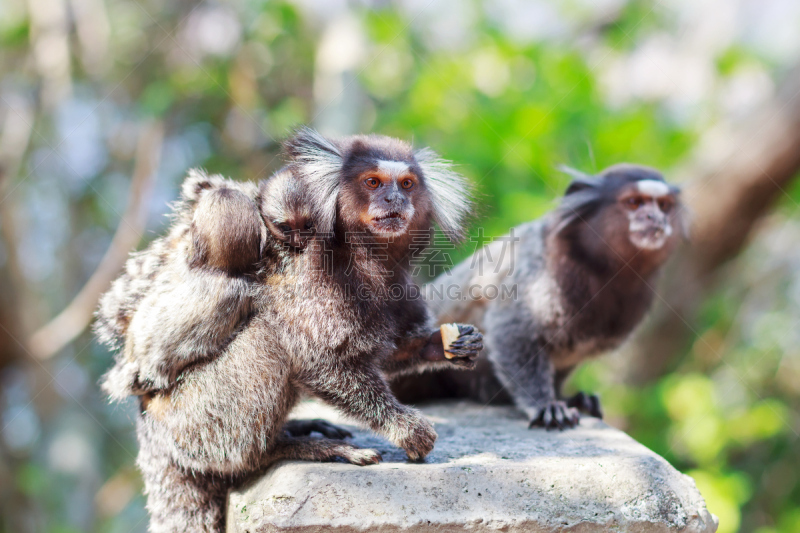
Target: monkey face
{"points": [[286, 209], [295, 231], [388, 190], [649, 206]]}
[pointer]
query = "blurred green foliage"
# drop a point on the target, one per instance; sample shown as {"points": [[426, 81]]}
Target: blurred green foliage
{"points": [[508, 111]]}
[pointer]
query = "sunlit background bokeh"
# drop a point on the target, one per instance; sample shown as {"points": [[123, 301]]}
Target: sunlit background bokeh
{"points": [[508, 89]]}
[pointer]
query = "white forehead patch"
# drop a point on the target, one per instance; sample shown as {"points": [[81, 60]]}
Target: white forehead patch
{"points": [[395, 168], [652, 188]]}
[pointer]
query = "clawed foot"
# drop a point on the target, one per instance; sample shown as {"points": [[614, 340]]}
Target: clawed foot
{"points": [[586, 403], [358, 456], [301, 428], [556, 415], [466, 347], [415, 435]]}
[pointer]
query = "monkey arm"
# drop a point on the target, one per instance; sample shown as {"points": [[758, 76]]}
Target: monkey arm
{"points": [[419, 350], [358, 388], [422, 349], [527, 372]]}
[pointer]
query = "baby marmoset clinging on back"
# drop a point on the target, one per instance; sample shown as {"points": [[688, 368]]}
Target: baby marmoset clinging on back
{"points": [[577, 281], [182, 299]]}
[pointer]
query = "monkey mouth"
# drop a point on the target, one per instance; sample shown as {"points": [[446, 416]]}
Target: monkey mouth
{"points": [[390, 216], [652, 238], [391, 223]]}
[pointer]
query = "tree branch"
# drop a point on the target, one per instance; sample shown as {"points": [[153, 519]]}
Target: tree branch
{"points": [[68, 324]]}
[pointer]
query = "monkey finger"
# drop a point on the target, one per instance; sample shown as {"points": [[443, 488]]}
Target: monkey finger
{"points": [[560, 419], [464, 362], [465, 329], [464, 351], [467, 340], [547, 418], [588, 403], [470, 344]]}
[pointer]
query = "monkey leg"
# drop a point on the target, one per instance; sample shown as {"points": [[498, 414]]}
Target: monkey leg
{"points": [[180, 501], [359, 389], [303, 428], [310, 449], [526, 371]]}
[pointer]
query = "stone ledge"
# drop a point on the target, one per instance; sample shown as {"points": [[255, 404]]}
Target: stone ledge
{"points": [[488, 472]]}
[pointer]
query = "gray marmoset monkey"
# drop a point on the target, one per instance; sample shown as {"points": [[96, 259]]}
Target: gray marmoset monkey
{"points": [[557, 291], [325, 323]]}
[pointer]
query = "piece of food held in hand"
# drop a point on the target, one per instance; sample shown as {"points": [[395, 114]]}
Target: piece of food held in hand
{"points": [[449, 335], [458, 342], [303, 318], [557, 291]]}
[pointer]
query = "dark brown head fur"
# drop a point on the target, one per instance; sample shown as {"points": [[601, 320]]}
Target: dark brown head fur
{"points": [[226, 232]]}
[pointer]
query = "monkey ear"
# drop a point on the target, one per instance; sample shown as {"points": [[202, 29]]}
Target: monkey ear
{"points": [[580, 180], [317, 162], [197, 182], [451, 193]]}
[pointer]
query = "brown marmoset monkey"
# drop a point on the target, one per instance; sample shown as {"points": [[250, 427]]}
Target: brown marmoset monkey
{"points": [[557, 291], [331, 321]]}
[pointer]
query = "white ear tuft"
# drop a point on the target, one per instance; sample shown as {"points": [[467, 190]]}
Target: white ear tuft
{"points": [[574, 172], [451, 193], [197, 182], [317, 162]]}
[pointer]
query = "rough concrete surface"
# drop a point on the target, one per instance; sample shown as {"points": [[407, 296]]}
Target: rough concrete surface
{"points": [[488, 472]]}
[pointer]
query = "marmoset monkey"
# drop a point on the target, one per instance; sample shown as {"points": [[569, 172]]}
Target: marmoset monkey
{"points": [[197, 291], [329, 322], [576, 283], [194, 286]]}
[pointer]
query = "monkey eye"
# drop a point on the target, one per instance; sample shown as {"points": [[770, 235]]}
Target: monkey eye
{"points": [[286, 228], [633, 202], [372, 182], [309, 225], [407, 183], [665, 204]]}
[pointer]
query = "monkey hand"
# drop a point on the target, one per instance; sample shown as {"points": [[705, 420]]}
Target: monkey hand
{"points": [[586, 403], [414, 434], [556, 414], [466, 347], [302, 428]]}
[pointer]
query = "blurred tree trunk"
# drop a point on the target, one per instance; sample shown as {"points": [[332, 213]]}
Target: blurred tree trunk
{"points": [[15, 135], [738, 173]]}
